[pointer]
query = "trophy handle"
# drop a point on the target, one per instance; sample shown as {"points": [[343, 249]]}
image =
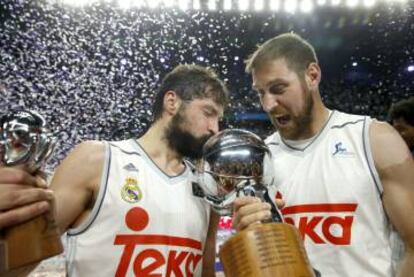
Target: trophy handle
{"points": [[259, 190]]}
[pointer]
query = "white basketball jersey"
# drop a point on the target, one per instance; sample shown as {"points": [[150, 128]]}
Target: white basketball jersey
{"points": [[144, 222], [333, 196]]}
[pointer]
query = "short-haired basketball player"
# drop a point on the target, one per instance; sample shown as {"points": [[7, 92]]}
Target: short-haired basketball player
{"points": [[347, 180]]}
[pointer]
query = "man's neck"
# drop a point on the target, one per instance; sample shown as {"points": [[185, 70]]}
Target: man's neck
{"points": [[156, 146], [319, 118]]}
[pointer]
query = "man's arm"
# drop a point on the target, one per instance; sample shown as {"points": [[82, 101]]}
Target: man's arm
{"points": [[396, 171], [209, 254], [76, 183]]}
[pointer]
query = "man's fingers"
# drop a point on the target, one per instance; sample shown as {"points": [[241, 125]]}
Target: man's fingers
{"points": [[280, 203], [254, 208], [253, 218], [41, 181], [10, 175], [19, 197], [249, 210], [22, 214], [243, 201]]}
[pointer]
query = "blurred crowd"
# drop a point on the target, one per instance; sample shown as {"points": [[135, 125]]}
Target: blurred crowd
{"points": [[92, 71]]}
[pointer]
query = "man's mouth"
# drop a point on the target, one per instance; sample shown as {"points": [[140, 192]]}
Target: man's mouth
{"points": [[282, 120]]}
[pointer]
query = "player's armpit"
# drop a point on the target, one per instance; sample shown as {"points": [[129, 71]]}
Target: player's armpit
{"points": [[76, 182]]}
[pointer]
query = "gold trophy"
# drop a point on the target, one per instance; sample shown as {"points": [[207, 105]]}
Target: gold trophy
{"points": [[238, 163], [26, 143]]}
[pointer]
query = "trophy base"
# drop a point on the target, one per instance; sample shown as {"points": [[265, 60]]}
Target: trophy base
{"points": [[266, 250], [31, 242]]}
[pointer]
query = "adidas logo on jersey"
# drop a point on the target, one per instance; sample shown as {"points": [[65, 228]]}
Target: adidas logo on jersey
{"points": [[130, 167]]}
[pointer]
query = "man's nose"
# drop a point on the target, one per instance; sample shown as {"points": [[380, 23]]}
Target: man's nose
{"points": [[269, 102], [213, 126]]}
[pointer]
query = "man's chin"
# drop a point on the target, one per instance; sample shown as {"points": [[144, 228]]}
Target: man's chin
{"points": [[287, 132]]}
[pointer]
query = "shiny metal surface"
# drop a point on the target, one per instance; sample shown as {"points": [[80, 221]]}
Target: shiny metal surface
{"points": [[25, 140], [235, 162]]}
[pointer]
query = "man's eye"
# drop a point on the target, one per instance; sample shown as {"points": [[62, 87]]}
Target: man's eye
{"points": [[276, 89], [208, 113]]}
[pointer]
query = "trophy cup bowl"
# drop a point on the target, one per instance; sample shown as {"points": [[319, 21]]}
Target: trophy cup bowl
{"points": [[26, 143], [238, 163]]}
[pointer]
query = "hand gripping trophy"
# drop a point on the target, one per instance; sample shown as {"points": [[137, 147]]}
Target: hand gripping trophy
{"points": [[238, 163], [26, 143]]}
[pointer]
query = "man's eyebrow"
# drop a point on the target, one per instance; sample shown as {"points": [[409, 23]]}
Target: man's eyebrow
{"points": [[276, 81], [211, 109], [273, 82]]}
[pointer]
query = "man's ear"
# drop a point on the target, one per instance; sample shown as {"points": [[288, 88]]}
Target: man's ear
{"points": [[313, 75], [171, 102]]}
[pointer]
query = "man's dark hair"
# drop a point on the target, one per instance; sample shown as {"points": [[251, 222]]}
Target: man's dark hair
{"points": [[191, 82], [296, 51], [403, 109]]}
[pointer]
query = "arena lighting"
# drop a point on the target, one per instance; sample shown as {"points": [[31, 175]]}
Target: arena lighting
{"points": [[182, 4], [243, 5], [369, 3], [396, 1], [306, 6], [124, 4], [410, 68], [169, 3], [354, 64], [258, 5], [153, 4], [352, 3], [196, 5], [76, 2], [212, 5], [274, 5], [291, 6], [227, 5]]}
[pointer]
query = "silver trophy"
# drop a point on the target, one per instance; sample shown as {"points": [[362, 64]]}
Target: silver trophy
{"points": [[25, 140], [26, 143], [235, 163], [238, 163]]}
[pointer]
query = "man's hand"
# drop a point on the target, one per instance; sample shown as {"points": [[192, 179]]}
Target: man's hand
{"points": [[22, 196], [251, 210]]}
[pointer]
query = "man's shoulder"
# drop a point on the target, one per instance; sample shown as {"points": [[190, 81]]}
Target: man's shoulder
{"points": [[342, 119], [90, 149]]}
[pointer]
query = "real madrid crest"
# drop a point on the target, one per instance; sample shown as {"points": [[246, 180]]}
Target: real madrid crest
{"points": [[130, 191]]}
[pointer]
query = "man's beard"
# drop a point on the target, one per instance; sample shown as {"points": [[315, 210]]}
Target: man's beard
{"points": [[302, 122], [182, 141]]}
